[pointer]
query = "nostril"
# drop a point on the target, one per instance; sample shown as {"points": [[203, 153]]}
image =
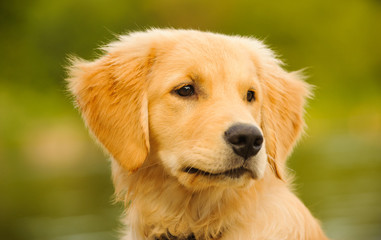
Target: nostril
{"points": [[258, 141]]}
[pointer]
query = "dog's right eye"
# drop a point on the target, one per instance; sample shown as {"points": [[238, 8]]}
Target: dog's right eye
{"points": [[185, 91]]}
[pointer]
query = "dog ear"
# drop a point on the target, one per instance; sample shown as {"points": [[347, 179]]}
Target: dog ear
{"points": [[111, 95], [284, 97]]}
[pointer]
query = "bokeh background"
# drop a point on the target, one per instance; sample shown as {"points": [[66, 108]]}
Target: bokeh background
{"points": [[55, 182]]}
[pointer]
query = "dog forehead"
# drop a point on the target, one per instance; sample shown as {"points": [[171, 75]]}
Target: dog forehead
{"points": [[206, 59], [211, 52]]}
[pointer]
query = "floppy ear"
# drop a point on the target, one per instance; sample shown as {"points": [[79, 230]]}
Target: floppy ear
{"points": [[111, 95], [284, 97]]}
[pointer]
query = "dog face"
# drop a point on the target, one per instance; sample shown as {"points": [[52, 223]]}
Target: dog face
{"points": [[205, 114], [211, 110]]}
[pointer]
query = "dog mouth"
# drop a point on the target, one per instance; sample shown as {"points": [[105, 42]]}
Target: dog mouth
{"points": [[231, 173]]}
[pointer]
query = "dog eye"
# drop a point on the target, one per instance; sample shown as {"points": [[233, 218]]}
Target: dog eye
{"points": [[250, 96], [185, 91]]}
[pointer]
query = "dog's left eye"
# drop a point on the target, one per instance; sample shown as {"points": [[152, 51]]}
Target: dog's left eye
{"points": [[250, 96], [185, 91]]}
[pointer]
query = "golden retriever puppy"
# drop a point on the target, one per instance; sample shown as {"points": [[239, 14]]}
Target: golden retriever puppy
{"points": [[199, 126]]}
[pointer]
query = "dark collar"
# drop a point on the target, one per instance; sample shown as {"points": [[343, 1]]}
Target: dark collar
{"points": [[169, 236], [191, 236]]}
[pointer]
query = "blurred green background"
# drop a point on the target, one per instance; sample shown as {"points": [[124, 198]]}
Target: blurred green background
{"points": [[55, 182]]}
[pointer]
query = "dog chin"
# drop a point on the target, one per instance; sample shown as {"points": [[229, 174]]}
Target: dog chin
{"points": [[199, 182]]}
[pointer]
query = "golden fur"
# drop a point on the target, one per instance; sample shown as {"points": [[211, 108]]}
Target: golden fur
{"points": [[128, 100]]}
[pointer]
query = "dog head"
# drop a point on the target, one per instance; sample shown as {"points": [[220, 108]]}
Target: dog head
{"points": [[212, 110]]}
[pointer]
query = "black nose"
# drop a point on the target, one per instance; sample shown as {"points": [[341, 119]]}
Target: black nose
{"points": [[245, 139]]}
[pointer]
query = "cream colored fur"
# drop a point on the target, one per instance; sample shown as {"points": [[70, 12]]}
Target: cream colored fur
{"points": [[128, 100]]}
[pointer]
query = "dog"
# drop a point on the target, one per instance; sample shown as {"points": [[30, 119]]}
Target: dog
{"points": [[198, 126]]}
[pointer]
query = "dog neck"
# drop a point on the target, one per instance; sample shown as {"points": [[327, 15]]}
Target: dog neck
{"points": [[161, 208]]}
